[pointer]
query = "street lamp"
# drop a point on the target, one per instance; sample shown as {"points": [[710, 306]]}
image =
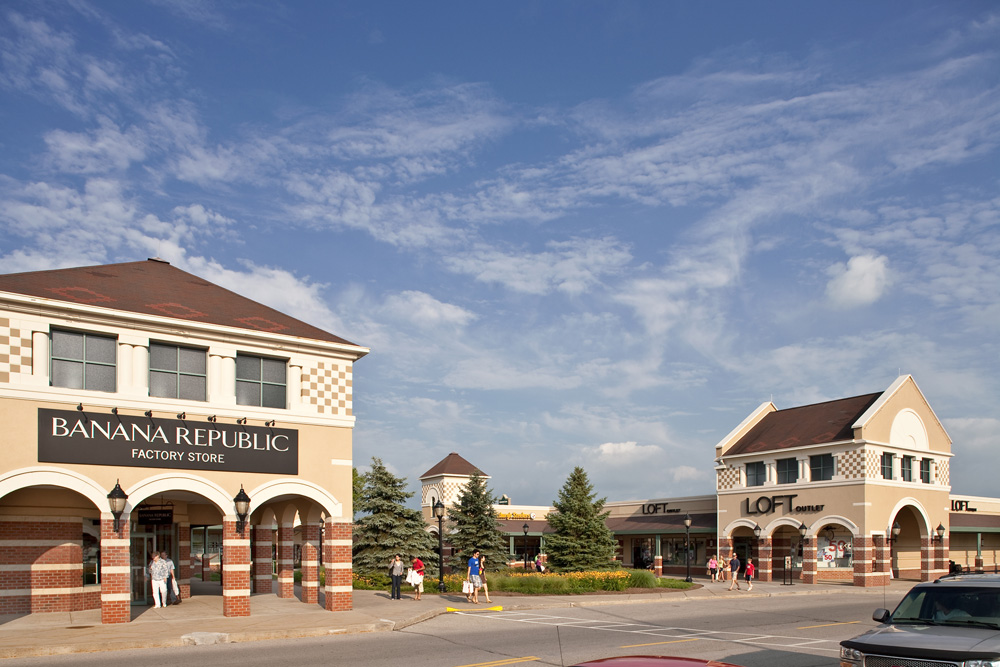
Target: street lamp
{"points": [[525, 528], [687, 546], [439, 514], [116, 500], [940, 533], [242, 503]]}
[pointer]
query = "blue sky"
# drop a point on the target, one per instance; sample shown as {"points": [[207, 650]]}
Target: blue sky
{"points": [[572, 233]]}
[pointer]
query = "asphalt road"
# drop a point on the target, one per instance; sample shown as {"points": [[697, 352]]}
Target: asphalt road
{"points": [[788, 631]]}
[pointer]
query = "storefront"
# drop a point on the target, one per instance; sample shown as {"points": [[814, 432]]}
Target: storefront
{"points": [[148, 410]]}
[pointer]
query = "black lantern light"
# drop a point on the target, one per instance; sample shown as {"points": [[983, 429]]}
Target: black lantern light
{"points": [[439, 515], [896, 530], [242, 502], [525, 528], [116, 500], [940, 530], [757, 531], [687, 546]]}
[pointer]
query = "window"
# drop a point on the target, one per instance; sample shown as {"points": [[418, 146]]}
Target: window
{"points": [[83, 361], [176, 372], [756, 474], [907, 469], [925, 471], [821, 467], [260, 381], [788, 471], [887, 465]]}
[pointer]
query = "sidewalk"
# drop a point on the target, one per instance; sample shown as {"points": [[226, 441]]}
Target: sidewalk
{"points": [[199, 619]]}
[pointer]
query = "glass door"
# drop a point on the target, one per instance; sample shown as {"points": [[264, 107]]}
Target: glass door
{"points": [[141, 551]]}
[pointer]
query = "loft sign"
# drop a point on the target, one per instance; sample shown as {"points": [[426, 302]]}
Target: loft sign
{"points": [[768, 504], [149, 442], [656, 508]]}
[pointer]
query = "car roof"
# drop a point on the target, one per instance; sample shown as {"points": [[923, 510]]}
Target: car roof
{"points": [[989, 580], [652, 661]]}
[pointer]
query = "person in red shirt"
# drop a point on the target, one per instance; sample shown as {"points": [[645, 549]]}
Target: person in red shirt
{"points": [[418, 568], [748, 573]]}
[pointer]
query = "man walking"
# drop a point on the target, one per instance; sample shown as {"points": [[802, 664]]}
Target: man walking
{"points": [[473, 576], [734, 571], [158, 572]]}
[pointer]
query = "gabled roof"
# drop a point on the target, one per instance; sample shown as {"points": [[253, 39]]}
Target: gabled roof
{"points": [[815, 424], [453, 464], [154, 287]]}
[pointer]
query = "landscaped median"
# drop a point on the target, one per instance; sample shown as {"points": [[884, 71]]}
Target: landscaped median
{"points": [[536, 583]]}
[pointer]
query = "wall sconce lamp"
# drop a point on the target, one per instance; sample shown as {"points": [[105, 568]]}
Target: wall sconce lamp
{"points": [[894, 533], [757, 531], [149, 413], [242, 420], [182, 415], [939, 537], [212, 419], [114, 411], [803, 529], [116, 500], [270, 423], [242, 502]]}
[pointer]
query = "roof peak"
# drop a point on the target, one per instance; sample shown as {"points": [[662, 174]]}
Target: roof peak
{"points": [[453, 464]]}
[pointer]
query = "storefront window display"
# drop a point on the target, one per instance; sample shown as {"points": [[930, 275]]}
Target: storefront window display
{"points": [[674, 547], [835, 548]]}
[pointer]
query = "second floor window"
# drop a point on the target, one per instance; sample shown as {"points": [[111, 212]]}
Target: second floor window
{"points": [[83, 361], [177, 372], [886, 465], [925, 471], [788, 471], [260, 381], [821, 467], [906, 468], [756, 474]]}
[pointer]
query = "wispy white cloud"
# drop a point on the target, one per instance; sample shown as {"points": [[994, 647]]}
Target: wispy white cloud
{"points": [[860, 282]]}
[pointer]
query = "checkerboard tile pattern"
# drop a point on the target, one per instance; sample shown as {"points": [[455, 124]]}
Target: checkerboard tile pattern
{"points": [[851, 464], [15, 350], [728, 478], [328, 386], [873, 466], [944, 472]]}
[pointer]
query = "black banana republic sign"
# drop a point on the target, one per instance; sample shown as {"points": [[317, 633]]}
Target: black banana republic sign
{"points": [[150, 442]]}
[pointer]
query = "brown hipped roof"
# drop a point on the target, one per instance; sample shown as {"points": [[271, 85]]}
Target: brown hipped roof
{"points": [[154, 287], [805, 425], [453, 464]]}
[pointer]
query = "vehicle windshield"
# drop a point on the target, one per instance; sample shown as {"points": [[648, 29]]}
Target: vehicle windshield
{"points": [[971, 606]]}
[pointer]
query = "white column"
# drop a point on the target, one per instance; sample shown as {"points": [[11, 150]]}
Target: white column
{"points": [[222, 376], [293, 396], [125, 380], [140, 370], [40, 357]]}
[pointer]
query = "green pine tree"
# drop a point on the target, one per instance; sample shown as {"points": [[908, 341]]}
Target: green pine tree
{"points": [[473, 524], [387, 527], [359, 485], [582, 540]]}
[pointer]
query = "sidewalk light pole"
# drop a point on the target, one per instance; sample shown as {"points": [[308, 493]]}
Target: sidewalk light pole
{"points": [[687, 546], [439, 513], [525, 528]]}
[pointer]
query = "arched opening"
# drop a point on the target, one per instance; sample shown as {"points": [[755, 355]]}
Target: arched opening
{"points": [[906, 546]]}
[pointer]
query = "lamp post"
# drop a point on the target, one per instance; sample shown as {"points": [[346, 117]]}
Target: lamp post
{"points": [[803, 529], [439, 515], [242, 503], [687, 546], [893, 536], [116, 500], [525, 528]]}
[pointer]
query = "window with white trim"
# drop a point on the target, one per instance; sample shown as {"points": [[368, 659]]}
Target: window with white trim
{"points": [[260, 381], [177, 372], [83, 360]]}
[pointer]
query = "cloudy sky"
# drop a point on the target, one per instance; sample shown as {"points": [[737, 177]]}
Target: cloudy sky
{"points": [[572, 233]]}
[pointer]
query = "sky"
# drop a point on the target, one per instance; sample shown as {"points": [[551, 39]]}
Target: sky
{"points": [[572, 233]]}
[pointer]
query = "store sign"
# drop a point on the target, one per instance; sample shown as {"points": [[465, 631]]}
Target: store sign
{"points": [[657, 508], [507, 516], [962, 506], [66, 436], [161, 517], [768, 504]]}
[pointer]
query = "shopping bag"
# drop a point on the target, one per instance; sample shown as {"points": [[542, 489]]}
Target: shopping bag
{"points": [[467, 587]]}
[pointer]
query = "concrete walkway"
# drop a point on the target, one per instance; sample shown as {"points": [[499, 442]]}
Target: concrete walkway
{"points": [[199, 619]]}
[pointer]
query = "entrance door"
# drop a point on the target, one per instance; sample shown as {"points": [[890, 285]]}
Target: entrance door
{"points": [[141, 551]]}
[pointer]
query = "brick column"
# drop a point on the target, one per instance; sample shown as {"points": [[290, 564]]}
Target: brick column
{"points": [[183, 566], [941, 551], [262, 566], [116, 589], [337, 543], [926, 559], [658, 566], [310, 563], [883, 560], [286, 561], [236, 570], [809, 567], [765, 567], [863, 550]]}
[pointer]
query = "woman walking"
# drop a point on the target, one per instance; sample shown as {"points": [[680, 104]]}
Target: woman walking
{"points": [[396, 574], [713, 567]]}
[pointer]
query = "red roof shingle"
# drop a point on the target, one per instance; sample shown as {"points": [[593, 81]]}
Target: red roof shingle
{"points": [[453, 464]]}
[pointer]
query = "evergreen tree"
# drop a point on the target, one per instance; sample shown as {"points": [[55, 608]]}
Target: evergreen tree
{"points": [[473, 524], [359, 485], [582, 540], [387, 527]]}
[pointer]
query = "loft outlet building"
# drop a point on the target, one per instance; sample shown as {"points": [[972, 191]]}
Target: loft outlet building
{"points": [[855, 489], [146, 409]]}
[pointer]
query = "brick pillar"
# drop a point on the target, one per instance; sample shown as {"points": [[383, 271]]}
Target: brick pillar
{"points": [[863, 550], [116, 589], [286, 561], [236, 570], [926, 559], [262, 565], [183, 566], [979, 564], [765, 568], [941, 551], [809, 567], [310, 563], [337, 543], [883, 560], [658, 566]]}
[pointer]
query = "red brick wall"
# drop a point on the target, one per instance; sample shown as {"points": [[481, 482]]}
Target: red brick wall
{"points": [[236, 571], [337, 557], [262, 559]]}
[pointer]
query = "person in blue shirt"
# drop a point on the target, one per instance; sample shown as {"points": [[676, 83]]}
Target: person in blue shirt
{"points": [[734, 569], [473, 576]]}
